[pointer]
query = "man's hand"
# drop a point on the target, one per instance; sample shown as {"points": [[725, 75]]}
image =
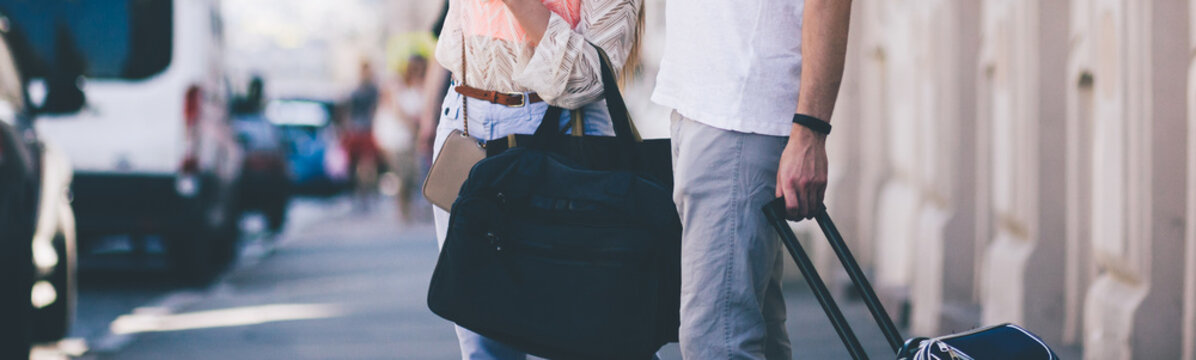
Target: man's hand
{"points": [[801, 176]]}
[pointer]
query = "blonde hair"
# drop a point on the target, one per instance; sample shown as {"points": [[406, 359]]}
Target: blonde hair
{"points": [[631, 66]]}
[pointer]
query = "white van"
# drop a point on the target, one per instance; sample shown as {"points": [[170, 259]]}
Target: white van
{"points": [[153, 149]]}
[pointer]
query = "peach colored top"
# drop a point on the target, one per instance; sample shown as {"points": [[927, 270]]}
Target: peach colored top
{"points": [[562, 69]]}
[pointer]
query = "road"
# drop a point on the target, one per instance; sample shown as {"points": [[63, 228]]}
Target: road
{"points": [[335, 284]]}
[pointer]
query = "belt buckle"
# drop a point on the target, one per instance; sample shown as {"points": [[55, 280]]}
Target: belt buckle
{"points": [[521, 96]]}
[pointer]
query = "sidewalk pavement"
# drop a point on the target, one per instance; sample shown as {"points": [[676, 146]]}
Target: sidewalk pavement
{"points": [[353, 287]]}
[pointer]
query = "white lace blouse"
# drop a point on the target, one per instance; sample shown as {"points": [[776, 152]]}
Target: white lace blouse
{"points": [[563, 69]]}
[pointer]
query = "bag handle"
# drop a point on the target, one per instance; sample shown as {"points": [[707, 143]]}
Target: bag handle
{"points": [[775, 211], [619, 116], [892, 335]]}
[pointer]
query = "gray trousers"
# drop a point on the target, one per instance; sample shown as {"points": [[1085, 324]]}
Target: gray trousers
{"points": [[731, 260]]}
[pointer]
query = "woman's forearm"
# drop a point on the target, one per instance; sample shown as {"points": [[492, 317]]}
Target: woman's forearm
{"points": [[532, 16]]}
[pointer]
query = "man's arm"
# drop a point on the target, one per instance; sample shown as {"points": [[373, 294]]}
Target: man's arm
{"points": [[801, 176]]}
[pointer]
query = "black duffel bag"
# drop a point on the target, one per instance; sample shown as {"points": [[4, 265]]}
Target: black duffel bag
{"points": [[562, 260]]}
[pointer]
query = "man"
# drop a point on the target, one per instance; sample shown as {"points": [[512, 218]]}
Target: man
{"points": [[732, 71], [358, 138], [363, 101]]}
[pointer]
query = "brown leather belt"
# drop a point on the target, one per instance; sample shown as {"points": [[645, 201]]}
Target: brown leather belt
{"points": [[497, 97]]}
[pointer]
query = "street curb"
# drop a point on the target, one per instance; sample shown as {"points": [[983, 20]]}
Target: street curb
{"points": [[258, 247]]}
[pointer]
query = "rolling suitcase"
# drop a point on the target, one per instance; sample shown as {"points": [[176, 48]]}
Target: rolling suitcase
{"points": [[1000, 342]]}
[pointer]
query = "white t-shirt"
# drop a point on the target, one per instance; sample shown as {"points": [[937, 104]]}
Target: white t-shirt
{"points": [[733, 65]]}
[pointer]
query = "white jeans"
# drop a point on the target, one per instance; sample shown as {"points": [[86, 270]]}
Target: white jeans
{"points": [[488, 121], [731, 261]]}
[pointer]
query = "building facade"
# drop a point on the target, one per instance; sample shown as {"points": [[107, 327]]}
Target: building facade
{"points": [[1026, 161]]}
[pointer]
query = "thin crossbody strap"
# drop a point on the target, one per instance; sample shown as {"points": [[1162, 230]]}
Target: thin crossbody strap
{"points": [[578, 120], [464, 100]]}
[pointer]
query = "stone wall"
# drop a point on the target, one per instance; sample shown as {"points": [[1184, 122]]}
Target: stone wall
{"points": [[1024, 161]]}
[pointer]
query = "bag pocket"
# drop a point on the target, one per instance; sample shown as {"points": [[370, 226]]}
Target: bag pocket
{"points": [[563, 282], [599, 278]]}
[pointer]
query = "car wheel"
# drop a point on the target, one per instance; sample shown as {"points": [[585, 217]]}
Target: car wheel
{"points": [[276, 217], [225, 241], [190, 255], [53, 322], [16, 342], [227, 237], [16, 334]]}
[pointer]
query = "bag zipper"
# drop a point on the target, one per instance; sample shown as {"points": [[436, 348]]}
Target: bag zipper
{"points": [[616, 257]]}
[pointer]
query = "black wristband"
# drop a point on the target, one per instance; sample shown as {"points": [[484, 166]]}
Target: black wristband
{"points": [[812, 123]]}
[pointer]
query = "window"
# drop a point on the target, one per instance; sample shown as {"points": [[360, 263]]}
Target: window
{"points": [[127, 39]]}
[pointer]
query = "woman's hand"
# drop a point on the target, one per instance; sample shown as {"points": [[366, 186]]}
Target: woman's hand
{"points": [[425, 135], [533, 16]]}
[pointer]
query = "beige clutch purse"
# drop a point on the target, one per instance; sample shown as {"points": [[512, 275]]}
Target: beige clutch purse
{"points": [[459, 153], [457, 157]]}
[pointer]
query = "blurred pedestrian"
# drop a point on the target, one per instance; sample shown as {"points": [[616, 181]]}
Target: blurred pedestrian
{"points": [[358, 137], [254, 97], [398, 112], [731, 71], [510, 60]]}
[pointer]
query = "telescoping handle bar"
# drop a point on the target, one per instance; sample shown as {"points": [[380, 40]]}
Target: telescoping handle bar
{"points": [[775, 213]]}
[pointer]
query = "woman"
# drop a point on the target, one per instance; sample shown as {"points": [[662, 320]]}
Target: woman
{"points": [[535, 53], [400, 105]]}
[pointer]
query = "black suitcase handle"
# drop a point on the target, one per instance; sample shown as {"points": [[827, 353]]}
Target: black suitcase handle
{"points": [[775, 213]]}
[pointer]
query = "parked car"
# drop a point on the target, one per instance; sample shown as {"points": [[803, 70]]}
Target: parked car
{"points": [[154, 150], [37, 226], [318, 163]]}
